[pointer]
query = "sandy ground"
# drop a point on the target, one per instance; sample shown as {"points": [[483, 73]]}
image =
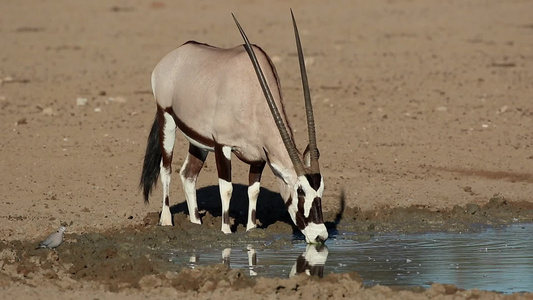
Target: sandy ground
{"points": [[418, 104]]}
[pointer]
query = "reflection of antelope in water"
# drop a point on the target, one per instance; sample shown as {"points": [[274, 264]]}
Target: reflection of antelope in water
{"points": [[311, 262], [212, 96], [252, 259]]}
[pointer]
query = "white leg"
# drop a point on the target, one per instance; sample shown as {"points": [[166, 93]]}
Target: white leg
{"points": [[254, 186], [169, 137], [189, 185], [223, 160], [226, 189], [166, 217], [189, 174], [253, 193]]}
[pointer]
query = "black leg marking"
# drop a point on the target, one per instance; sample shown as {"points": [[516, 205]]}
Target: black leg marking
{"points": [[223, 164], [194, 163]]}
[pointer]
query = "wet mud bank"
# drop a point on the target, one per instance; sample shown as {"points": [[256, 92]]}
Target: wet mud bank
{"points": [[131, 258]]}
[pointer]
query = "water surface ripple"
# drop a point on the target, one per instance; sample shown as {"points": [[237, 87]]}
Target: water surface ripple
{"points": [[494, 258]]}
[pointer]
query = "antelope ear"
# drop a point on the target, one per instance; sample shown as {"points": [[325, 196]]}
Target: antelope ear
{"points": [[307, 156]]}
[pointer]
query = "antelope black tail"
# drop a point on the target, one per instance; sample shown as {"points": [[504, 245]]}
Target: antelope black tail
{"points": [[152, 160]]}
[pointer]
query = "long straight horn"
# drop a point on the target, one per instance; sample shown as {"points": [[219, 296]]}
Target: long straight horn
{"points": [[289, 145], [315, 169]]}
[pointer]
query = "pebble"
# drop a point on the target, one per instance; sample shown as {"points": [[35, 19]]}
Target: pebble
{"points": [[503, 109], [81, 101], [48, 111], [118, 99], [21, 121]]}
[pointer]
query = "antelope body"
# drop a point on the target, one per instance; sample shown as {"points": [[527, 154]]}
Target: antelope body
{"points": [[214, 97]]}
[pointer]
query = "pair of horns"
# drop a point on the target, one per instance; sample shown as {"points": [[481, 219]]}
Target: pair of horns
{"points": [[289, 144]]}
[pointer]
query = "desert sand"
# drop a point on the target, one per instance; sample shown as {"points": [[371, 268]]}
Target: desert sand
{"points": [[418, 104]]}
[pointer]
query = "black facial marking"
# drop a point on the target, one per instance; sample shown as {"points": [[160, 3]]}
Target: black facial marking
{"points": [[301, 192], [314, 180], [315, 213], [300, 220], [289, 202]]}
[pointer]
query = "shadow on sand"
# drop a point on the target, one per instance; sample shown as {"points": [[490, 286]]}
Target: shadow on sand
{"points": [[270, 208]]}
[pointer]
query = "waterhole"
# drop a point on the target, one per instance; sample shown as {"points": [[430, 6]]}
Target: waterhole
{"points": [[491, 258]]}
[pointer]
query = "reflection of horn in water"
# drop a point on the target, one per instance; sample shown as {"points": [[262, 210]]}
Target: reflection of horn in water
{"points": [[311, 262]]}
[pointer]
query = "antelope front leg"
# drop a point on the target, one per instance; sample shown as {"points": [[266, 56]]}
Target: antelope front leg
{"points": [[223, 160], [254, 186], [189, 174]]}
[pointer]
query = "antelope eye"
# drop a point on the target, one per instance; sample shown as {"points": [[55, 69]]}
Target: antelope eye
{"points": [[300, 192]]}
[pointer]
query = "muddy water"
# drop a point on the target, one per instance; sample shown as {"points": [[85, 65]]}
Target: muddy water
{"points": [[387, 246], [489, 258]]}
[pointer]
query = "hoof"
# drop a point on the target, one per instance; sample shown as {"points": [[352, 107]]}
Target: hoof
{"points": [[250, 226], [199, 222], [161, 223], [226, 229], [166, 217]]}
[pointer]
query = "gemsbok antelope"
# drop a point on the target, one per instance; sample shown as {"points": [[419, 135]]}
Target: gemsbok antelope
{"points": [[213, 97]]}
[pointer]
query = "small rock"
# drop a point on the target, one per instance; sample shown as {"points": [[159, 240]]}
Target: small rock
{"points": [[502, 109], [21, 121], [117, 99], [98, 109], [441, 108], [48, 111], [81, 101]]}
